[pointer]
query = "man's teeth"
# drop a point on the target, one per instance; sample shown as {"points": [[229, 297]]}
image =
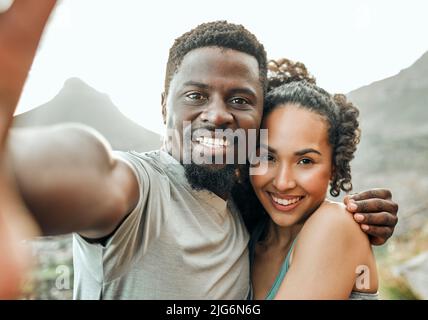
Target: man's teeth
{"points": [[285, 202], [212, 142]]}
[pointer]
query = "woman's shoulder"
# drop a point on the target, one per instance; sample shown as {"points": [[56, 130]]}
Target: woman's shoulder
{"points": [[331, 235], [333, 215], [331, 223]]}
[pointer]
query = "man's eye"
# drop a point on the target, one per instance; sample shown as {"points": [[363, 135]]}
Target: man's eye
{"points": [[305, 161], [195, 96], [237, 100]]}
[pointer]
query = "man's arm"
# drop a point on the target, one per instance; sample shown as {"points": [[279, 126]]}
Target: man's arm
{"points": [[70, 181], [20, 30], [66, 175], [376, 212], [15, 224]]}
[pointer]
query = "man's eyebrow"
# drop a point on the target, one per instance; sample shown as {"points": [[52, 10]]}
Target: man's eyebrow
{"points": [[196, 84], [246, 91]]}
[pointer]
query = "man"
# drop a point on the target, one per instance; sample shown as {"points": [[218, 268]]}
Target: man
{"points": [[151, 226]]}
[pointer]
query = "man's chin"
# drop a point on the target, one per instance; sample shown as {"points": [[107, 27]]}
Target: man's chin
{"points": [[218, 178], [213, 166]]}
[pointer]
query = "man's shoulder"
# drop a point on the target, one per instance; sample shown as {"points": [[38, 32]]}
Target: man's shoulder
{"points": [[147, 155], [151, 161]]}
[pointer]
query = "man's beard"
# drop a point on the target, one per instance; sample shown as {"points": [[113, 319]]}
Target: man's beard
{"points": [[220, 181]]}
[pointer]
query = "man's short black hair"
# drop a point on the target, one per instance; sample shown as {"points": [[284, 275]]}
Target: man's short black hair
{"points": [[216, 34]]}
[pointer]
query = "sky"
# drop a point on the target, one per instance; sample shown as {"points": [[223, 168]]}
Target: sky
{"points": [[120, 47]]}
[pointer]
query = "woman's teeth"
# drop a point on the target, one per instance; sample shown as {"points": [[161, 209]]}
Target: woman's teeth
{"points": [[285, 202]]}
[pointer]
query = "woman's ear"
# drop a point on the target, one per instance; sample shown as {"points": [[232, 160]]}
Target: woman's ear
{"points": [[163, 103]]}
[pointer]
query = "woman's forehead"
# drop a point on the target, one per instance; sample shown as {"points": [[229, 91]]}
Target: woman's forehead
{"points": [[291, 125]]}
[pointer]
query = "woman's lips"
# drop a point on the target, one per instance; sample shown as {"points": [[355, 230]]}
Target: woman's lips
{"points": [[285, 203]]}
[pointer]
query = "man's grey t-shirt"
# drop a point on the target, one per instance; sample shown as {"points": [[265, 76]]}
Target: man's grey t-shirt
{"points": [[178, 243]]}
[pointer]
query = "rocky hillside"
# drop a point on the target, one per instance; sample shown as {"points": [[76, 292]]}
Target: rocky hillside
{"points": [[394, 149]]}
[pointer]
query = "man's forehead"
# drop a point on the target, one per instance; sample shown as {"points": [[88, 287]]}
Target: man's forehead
{"points": [[219, 54], [203, 63]]}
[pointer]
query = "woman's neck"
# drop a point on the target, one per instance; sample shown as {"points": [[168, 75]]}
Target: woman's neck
{"points": [[281, 237]]}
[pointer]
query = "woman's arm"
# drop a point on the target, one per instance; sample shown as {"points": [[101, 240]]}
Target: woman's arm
{"points": [[327, 254]]}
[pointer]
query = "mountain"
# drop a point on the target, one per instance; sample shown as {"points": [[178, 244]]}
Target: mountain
{"points": [[393, 152], [78, 102], [399, 102]]}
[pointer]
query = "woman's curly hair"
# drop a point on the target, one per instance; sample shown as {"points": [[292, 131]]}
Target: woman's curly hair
{"points": [[290, 83], [284, 71]]}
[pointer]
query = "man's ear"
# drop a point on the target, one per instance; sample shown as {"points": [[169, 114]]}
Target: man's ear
{"points": [[163, 102]]}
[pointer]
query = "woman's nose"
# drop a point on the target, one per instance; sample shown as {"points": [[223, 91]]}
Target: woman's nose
{"points": [[284, 179]]}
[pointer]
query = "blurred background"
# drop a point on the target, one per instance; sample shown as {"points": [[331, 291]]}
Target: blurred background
{"points": [[102, 63]]}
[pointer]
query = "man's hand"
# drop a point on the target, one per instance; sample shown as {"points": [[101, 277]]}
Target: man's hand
{"points": [[20, 30], [376, 212]]}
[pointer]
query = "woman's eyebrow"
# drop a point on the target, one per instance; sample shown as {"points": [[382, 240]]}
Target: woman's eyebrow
{"points": [[307, 150], [267, 147], [297, 153]]}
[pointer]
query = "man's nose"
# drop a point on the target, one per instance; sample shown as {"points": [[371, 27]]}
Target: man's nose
{"points": [[284, 179], [217, 113]]}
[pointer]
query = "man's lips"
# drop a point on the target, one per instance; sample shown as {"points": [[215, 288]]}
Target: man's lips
{"points": [[285, 202], [213, 142], [210, 148]]}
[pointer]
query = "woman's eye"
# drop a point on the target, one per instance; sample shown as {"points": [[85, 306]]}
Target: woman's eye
{"points": [[305, 161], [266, 157]]}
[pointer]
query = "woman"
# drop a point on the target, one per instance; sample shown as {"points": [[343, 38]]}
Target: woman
{"points": [[304, 246]]}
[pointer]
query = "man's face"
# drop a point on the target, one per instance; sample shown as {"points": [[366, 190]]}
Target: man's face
{"points": [[214, 88]]}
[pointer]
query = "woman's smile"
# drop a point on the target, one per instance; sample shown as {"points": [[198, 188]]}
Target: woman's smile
{"points": [[285, 203]]}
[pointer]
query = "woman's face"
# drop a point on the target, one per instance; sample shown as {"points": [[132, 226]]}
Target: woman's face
{"points": [[299, 164]]}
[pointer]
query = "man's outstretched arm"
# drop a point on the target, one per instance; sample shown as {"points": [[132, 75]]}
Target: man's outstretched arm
{"points": [[66, 175], [70, 181], [20, 30]]}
